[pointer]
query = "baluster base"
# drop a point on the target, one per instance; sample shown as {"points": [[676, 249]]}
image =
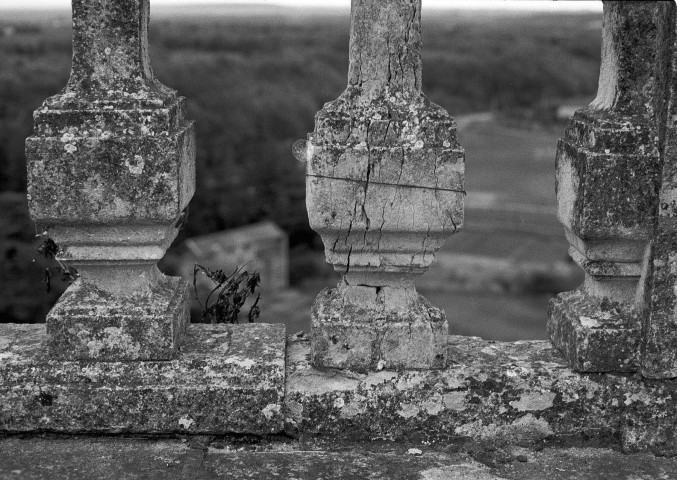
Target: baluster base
{"points": [[368, 328], [91, 324], [594, 335]]}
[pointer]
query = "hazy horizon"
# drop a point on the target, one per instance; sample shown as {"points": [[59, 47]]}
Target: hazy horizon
{"points": [[511, 5]]}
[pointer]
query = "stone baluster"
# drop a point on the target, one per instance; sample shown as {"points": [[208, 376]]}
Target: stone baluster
{"points": [[385, 187], [111, 166], [659, 342], [608, 173]]}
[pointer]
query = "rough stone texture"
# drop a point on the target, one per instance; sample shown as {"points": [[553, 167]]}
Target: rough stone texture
{"points": [[90, 323], [113, 147], [112, 178], [518, 393], [595, 335], [659, 347], [608, 177], [385, 186], [228, 378], [204, 458], [362, 337], [111, 166]]}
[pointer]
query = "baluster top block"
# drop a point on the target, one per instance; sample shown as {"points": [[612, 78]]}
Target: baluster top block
{"points": [[113, 146]]}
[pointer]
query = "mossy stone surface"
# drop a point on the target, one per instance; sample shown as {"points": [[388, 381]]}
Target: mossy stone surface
{"points": [[519, 393], [225, 379], [593, 335], [89, 324], [372, 337]]}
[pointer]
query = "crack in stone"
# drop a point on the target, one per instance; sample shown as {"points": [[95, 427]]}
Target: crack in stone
{"points": [[364, 200], [390, 184]]}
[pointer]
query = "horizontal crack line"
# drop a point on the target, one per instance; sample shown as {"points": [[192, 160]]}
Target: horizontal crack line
{"points": [[372, 182]]}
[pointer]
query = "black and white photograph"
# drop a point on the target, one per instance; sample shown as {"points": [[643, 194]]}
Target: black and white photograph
{"points": [[338, 239]]}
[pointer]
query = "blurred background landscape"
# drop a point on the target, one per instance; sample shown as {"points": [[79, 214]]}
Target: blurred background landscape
{"points": [[254, 76]]}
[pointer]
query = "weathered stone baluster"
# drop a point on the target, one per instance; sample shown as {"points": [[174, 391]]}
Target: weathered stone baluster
{"points": [[607, 188], [110, 169], [385, 181], [659, 342]]}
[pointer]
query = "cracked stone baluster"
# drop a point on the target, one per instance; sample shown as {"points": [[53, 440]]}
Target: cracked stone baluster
{"points": [[111, 166], [659, 341], [385, 181], [607, 188]]}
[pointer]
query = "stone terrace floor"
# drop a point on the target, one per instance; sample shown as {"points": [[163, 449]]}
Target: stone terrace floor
{"points": [[45, 457]]}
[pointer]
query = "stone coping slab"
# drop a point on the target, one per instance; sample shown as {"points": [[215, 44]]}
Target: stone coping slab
{"points": [[231, 379], [190, 458], [505, 392], [227, 378]]}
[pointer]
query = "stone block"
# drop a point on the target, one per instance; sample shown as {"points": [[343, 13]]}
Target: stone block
{"points": [[514, 393], [608, 194], [593, 334], [416, 158], [110, 177], [226, 379], [367, 335], [91, 324]]}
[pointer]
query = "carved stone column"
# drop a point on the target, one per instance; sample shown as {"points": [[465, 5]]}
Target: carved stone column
{"points": [[659, 342], [110, 169], [607, 189], [385, 181]]}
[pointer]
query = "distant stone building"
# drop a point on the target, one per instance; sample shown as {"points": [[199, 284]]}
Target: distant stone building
{"points": [[262, 247]]}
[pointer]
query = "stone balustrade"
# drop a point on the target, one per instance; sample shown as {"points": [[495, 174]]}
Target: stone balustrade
{"points": [[111, 168]]}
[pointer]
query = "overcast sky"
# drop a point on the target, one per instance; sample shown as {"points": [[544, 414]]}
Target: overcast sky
{"points": [[548, 5]]}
